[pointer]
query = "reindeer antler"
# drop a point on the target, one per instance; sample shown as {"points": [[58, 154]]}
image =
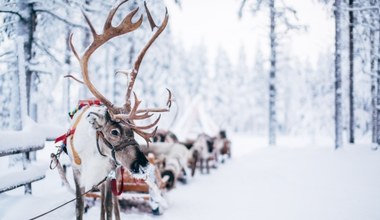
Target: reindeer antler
{"points": [[140, 57], [109, 32], [134, 112], [127, 114]]}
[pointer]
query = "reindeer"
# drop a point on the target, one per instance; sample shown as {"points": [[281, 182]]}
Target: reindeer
{"points": [[102, 136], [175, 155], [165, 136], [222, 146], [174, 158], [203, 150]]}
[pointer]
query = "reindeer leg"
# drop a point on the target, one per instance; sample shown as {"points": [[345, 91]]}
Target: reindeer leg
{"points": [[194, 163], [216, 158], [108, 200], [207, 165], [201, 165], [223, 155], [79, 199], [116, 209], [185, 171], [193, 167], [102, 201]]}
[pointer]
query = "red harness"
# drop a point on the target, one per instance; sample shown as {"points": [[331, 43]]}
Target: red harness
{"points": [[64, 137], [114, 183], [81, 104]]}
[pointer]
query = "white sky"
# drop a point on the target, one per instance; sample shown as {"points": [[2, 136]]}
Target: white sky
{"points": [[216, 23]]}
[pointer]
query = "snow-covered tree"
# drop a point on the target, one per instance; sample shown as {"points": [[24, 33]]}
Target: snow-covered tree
{"points": [[222, 90], [258, 89], [351, 24], [281, 19], [338, 74], [242, 82]]}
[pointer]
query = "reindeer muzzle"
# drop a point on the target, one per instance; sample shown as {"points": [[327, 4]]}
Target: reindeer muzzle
{"points": [[139, 165]]}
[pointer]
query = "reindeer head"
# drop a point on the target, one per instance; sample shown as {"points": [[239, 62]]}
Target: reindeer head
{"points": [[116, 126]]}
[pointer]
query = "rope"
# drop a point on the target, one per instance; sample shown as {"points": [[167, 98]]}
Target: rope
{"points": [[45, 213]]}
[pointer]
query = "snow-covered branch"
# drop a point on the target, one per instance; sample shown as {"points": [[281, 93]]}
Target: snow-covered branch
{"points": [[39, 69], [11, 10], [44, 48], [283, 14], [64, 20], [365, 8], [254, 8], [6, 53], [8, 71], [240, 12], [8, 23]]}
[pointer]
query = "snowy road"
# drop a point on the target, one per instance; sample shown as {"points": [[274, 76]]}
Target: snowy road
{"points": [[257, 183]]}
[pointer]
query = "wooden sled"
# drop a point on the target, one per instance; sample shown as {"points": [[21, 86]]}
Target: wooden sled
{"points": [[135, 189]]}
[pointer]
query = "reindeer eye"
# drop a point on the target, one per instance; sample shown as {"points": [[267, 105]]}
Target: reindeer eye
{"points": [[115, 132]]}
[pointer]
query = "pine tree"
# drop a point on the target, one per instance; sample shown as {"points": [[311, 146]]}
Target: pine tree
{"points": [[351, 74], [378, 76], [272, 74], [338, 75]]}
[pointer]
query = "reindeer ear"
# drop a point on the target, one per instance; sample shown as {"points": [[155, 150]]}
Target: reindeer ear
{"points": [[96, 118]]}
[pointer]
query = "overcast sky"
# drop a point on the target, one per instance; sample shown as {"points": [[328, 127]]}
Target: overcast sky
{"points": [[216, 23]]}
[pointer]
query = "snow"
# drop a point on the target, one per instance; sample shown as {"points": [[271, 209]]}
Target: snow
{"points": [[33, 135], [307, 181], [16, 177]]}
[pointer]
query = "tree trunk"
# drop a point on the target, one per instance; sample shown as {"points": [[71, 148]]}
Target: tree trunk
{"points": [[272, 76], [378, 79], [338, 76], [15, 105], [26, 29], [66, 95], [351, 74], [372, 36]]}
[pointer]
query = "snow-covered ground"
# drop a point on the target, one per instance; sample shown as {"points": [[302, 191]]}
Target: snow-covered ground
{"points": [[294, 180]]}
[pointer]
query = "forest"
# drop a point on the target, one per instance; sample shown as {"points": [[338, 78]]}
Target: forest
{"points": [[202, 109], [270, 94]]}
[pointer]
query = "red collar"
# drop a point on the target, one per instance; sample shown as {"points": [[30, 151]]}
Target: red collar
{"points": [[65, 136]]}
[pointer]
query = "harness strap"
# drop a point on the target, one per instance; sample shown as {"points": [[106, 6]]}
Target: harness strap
{"points": [[112, 148], [77, 159], [99, 134], [83, 103]]}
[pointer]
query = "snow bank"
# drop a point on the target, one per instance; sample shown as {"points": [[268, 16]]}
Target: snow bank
{"points": [[16, 177], [32, 136]]}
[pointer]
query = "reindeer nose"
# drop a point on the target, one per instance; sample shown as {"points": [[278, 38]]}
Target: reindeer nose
{"points": [[140, 162], [135, 167]]}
